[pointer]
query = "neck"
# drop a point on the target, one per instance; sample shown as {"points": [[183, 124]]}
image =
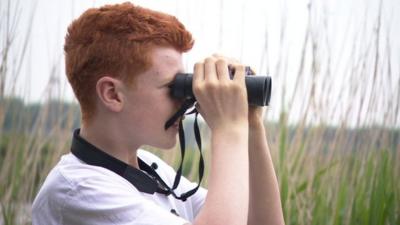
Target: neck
{"points": [[112, 141]]}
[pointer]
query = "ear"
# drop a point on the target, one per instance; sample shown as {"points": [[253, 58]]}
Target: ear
{"points": [[109, 92]]}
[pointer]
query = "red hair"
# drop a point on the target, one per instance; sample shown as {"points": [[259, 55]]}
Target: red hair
{"points": [[115, 40]]}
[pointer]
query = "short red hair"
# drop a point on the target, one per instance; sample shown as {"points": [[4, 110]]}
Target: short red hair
{"points": [[115, 40]]}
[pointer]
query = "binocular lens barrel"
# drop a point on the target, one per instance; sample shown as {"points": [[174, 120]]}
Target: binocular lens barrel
{"points": [[258, 88]]}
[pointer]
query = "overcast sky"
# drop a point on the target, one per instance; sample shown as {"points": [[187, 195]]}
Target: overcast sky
{"points": [[237, 28]]}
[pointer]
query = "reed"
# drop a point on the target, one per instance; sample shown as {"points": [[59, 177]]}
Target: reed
{"points": [[335, 144]]}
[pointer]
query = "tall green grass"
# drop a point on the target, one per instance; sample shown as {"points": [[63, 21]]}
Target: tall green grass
{"points": [[347, 172], [338, 184]]}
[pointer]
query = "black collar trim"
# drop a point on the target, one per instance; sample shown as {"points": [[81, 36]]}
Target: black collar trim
{"points": [[92, 155]]}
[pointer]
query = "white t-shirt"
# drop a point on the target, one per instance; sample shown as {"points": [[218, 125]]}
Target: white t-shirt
{"points": [[75, 193]]}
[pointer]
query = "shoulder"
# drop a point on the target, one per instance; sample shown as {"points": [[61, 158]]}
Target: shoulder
{"points": [[72, 183], [76, 173], [77, 193]]}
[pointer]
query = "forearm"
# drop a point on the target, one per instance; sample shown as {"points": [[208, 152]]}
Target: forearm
{"points": [[265, 204], [228, 187]]}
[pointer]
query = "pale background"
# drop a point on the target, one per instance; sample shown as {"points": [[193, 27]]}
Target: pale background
{"points": [[268, 35]]}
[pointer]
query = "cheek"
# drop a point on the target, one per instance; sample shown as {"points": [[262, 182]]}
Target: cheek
{"points": [[162, 106], [159, 107], [166, 101]]}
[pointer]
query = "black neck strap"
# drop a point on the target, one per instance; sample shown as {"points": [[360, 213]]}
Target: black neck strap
{"points": [[144, 179], [187, 104]]}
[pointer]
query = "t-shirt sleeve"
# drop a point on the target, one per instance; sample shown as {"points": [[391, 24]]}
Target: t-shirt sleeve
{"points": [[100, 202]]}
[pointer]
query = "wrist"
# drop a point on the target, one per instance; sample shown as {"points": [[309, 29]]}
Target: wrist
{"points": [[256, 123], [230, 139], [233, 131], [231, 125]]}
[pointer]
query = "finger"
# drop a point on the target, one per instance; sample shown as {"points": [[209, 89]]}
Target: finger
{"points": [[210, 72], [198, 74], [230, 60], [240, 73], [222, 70]]}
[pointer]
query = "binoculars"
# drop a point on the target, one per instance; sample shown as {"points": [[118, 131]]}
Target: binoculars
{"points": [[258, 87]]}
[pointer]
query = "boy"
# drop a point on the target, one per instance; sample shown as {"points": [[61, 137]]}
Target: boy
{"points": [[120, 61]]}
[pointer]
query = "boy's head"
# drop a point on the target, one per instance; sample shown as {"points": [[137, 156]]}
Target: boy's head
{"points": [[116, 41]]}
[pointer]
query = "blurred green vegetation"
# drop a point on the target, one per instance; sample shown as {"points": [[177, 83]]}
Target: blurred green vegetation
{"points": [[327, 175], [347, 173]]}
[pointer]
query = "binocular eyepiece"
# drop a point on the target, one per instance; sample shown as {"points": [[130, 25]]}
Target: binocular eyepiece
{"points": [[258, 87]]}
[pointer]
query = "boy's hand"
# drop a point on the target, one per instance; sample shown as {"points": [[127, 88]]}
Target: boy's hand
{"points": [[221, 101], [255, 112]]}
